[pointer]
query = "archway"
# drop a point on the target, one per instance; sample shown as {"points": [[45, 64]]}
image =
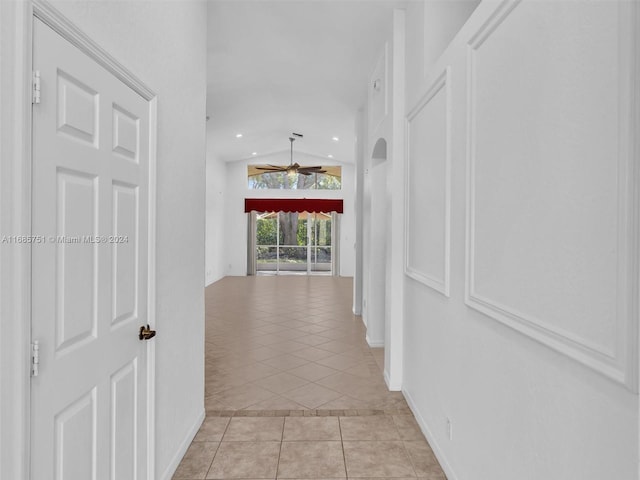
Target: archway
{"points": [[376, 231]]}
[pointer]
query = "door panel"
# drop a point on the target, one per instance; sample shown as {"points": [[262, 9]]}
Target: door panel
{"points": [[76, 282], [75, 439], [125, 253], [89, 287], [124, 393], [77, 109], [126, 133]]}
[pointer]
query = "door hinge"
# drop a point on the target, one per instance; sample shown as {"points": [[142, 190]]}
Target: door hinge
{"points": [[35, 91], [35, 358]]}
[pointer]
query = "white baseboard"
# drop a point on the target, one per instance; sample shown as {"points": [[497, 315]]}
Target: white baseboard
{"points": [[385, 374], [426, 431], [374, 343], [393, 387], [177, 458]]}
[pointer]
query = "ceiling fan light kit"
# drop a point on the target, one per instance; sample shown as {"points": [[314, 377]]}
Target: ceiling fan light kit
{"points": [[293, 168]]}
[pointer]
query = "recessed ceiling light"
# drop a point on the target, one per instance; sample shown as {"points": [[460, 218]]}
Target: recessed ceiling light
{"points": [[330, 156], [254, 153], [335, 139], [238, 135]]}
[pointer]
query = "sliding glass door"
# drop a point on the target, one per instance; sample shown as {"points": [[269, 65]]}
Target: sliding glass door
{"points": [[292, 242], [320, 245]]}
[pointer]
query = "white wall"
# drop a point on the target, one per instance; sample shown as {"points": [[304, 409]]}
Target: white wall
{"points": [[531, 351], [164, 44], [377, 168], [237, 190], [377, 265], [359, 147], [431, 25], [383, 280], [215, 212]]}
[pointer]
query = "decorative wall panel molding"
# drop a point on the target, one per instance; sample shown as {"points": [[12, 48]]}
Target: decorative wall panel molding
{"points": [[551, 179], [428, 189]]}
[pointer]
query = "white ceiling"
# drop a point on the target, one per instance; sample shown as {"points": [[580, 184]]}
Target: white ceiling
{"points": [[282, 66]]}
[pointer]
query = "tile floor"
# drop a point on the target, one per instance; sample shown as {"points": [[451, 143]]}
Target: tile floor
{"points": [[293, 390]]}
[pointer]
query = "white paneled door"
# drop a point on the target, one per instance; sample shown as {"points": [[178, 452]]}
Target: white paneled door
{"points": [[89, 268]]}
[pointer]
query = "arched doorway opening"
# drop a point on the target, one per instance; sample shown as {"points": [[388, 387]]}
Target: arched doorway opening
{"points": [[375, 264]]}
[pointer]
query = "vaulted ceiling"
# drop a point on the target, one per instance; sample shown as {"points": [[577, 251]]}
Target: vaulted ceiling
{"points": [[282, 66]]}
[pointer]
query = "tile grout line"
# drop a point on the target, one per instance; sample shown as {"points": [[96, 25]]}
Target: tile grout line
{"points": [[404, 447], [284, 420], [344, 456], [213, 458], [218, 447], [333, 412], [245, 334]]}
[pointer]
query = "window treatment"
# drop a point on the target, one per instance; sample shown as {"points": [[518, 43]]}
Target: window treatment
{"points": [[292, 205]]}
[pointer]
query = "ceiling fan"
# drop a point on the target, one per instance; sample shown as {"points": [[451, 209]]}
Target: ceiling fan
{"points": [[292, 168]]}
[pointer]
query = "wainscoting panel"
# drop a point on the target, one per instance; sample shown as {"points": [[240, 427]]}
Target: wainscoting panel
{"points": [[428, 192], [550, 191]]}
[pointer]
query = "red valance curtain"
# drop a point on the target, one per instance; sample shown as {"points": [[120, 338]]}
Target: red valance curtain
{"points": [[292, 205]]}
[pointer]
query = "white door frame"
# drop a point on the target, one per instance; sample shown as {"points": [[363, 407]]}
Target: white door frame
{"points": [[16, 20]]}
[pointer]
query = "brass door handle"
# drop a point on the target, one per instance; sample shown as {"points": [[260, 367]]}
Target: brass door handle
{"points": [[146, 333]]}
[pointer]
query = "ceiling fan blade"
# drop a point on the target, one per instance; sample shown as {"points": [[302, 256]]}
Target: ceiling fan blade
{"points": [[311, 170], [272, 169]]}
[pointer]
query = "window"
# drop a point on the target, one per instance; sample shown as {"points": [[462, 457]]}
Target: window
{"points": [[258, 179], [294, 242]]}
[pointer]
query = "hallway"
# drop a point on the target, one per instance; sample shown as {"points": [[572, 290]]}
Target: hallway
{"points": [[293, 390]]}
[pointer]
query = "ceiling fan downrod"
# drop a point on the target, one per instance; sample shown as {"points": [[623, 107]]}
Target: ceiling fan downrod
{"points": [[291, 140]]}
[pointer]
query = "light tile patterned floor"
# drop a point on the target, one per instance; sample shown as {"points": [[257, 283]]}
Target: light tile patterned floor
{"points": [[293, 390]]}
